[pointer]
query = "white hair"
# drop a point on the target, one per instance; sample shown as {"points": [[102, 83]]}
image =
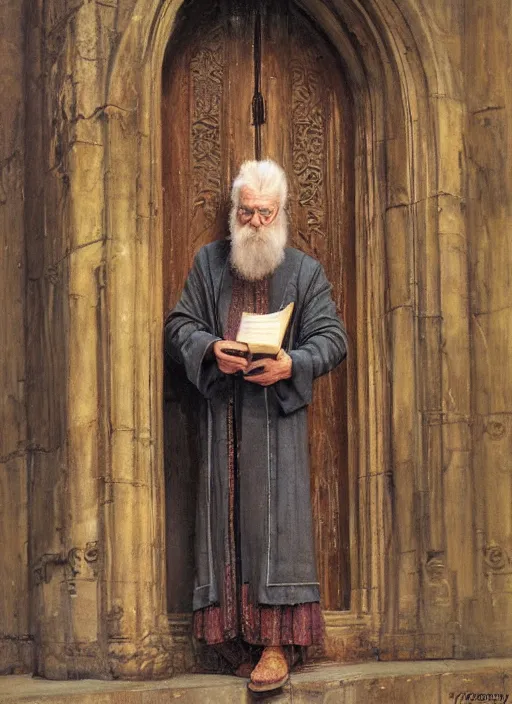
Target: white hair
{"points": [[266, 178]]}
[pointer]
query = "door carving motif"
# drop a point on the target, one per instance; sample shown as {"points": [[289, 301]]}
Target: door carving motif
{"points": [[206, 68], [308, 146]]}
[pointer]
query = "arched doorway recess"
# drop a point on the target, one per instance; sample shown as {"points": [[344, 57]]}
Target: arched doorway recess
{"points": [[208, 129], [398, 303]]}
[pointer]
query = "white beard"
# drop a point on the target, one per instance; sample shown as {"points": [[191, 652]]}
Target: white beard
{"points": [[257, 252]]}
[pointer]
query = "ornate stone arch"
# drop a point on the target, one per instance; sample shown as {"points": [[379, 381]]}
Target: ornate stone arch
{"points": [[403, 196]]}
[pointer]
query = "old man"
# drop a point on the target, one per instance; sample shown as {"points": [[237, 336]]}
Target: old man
{"points": [[256, 581]]}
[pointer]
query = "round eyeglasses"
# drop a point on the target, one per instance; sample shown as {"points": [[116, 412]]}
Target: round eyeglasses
{"points": [[247, 213]]}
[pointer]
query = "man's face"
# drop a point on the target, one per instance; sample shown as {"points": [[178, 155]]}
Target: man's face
{"points": [[258, 235], [256, 210]]}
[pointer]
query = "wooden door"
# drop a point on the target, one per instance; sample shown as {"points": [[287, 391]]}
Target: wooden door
{"points": [[226, 52]]}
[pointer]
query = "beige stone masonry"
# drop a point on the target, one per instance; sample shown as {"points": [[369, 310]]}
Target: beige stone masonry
{"points": [[81, 449]]}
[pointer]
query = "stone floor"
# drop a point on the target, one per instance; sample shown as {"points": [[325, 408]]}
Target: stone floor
{"points": [[427, 682]]}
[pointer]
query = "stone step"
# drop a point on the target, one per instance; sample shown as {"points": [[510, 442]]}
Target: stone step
{"points": [[425, 682]]}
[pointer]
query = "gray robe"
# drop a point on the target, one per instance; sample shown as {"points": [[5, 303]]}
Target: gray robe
{"points": [[276, 549]]}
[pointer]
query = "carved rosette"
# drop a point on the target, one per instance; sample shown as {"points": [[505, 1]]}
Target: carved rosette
{"points": [[207, 70], [496, 557]]}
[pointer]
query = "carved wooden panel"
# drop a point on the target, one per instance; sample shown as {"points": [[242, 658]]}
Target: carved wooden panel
{"points": [[191, 143], [308, 123], [207, 132], [207, 73]]}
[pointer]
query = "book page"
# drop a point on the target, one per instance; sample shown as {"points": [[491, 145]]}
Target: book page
{"points": [[259, 328], [264, 333]]}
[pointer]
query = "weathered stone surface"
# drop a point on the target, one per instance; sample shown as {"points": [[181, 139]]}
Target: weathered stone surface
{"points": [[80, 335], [487, 62], [385, 683]]}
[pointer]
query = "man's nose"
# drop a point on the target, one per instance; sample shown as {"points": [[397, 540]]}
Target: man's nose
{"points": [[255, 219]]}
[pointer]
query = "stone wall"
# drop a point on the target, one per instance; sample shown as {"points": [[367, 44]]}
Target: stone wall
{"points": [[80, 177]]}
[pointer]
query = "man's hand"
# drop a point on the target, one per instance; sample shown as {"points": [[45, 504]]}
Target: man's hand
{"points": [[273, 370], [228, 364]]}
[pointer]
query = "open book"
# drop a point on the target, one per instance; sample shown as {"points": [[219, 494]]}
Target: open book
{"points": [[264, 334]]}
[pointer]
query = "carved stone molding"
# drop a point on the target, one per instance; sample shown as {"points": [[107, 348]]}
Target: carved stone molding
{"points": [[71, 562], [114, 618], [149, 658], [438, 586], [60, 661], [42, 569]]}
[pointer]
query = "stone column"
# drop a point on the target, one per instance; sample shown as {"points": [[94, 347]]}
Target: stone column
{"points": [[488, 65], [96, 523], [15, 639], [65, 243], [139, 640]]}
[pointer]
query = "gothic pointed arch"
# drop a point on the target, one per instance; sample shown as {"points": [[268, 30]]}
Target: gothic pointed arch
{"points": [[400, 190]]}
